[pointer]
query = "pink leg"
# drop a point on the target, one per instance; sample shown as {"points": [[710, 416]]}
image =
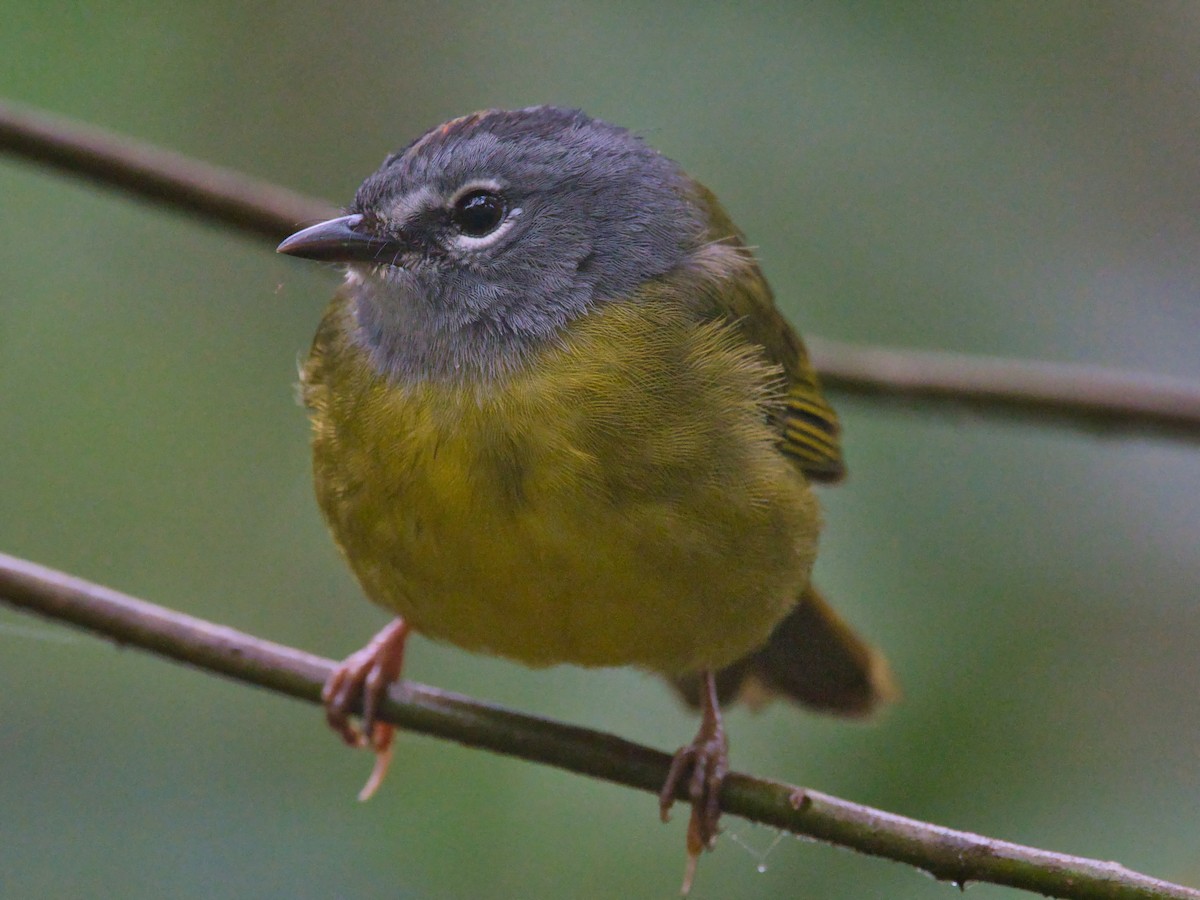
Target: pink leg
{"points": [[706, 763], [364, 677]]}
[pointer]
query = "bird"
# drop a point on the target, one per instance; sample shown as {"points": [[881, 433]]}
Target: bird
{"points": [[557, 417]]}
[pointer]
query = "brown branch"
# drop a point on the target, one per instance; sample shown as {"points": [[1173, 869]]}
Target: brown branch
{"points": [[1077, 396], [949, 855], [1087, 397], [207, 192]]}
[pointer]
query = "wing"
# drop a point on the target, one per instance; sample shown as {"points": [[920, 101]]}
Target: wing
{"points": [[809, 428]]}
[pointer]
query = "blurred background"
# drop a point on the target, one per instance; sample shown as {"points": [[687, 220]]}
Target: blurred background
{"points": [[1014, 179]]}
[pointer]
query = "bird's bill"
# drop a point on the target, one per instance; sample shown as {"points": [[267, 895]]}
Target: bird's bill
{"points": [[340, 240]]}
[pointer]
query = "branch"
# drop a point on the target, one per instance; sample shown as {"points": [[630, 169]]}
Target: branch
{"points": [[949, 855], [209, 193], [1074, 396], [1086, 397]]}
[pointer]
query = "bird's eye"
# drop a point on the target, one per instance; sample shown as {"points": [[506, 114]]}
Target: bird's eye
{"points": [[478, 213]]}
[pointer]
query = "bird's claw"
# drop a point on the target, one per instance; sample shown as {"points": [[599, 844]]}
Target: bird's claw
{"points": [[360, 683], [705, 763]]}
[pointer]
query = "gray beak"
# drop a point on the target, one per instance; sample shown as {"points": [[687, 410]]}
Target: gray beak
{"points": [[341, 240]]}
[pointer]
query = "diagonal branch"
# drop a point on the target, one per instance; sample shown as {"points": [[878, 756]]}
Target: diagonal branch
{"points": [[949, 855], [1064, 395], [207, 192]]}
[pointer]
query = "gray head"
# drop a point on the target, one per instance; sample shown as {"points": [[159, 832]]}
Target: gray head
{"points": [[485, 237]]}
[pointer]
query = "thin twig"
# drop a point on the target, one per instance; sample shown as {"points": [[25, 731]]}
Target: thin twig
{"points": [[1087, 397], [949, 855], [1075, 396], [204, 191]]}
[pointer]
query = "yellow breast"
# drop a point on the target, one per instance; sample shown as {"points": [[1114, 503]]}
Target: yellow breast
{"points": [[619, 500]]}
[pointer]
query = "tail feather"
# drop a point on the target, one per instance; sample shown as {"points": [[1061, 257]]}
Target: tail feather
{"points": [[813, 658]]}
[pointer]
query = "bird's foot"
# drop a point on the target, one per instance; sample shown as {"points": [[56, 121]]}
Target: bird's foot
{"points": [[705, 763], [361, 681]]}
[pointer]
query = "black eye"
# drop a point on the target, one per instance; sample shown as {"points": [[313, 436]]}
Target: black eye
{"points": [[478, 213]]}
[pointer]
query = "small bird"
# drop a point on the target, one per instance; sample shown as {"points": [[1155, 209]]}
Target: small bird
{"points": [[558, 418]]}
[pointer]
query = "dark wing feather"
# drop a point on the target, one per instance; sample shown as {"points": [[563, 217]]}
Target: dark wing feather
{"points": [[810, 433]]}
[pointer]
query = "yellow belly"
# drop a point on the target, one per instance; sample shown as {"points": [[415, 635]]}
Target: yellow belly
{"points": [[630, 511]]}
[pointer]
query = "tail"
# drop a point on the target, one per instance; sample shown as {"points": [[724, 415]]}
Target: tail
{"points": [[813, 658]]}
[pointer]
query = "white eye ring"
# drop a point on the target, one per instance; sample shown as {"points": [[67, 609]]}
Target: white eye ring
{"points": [[485, 190], [467, 242]]}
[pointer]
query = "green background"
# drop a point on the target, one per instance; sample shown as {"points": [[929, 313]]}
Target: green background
{"points": [[1015, 179]]}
